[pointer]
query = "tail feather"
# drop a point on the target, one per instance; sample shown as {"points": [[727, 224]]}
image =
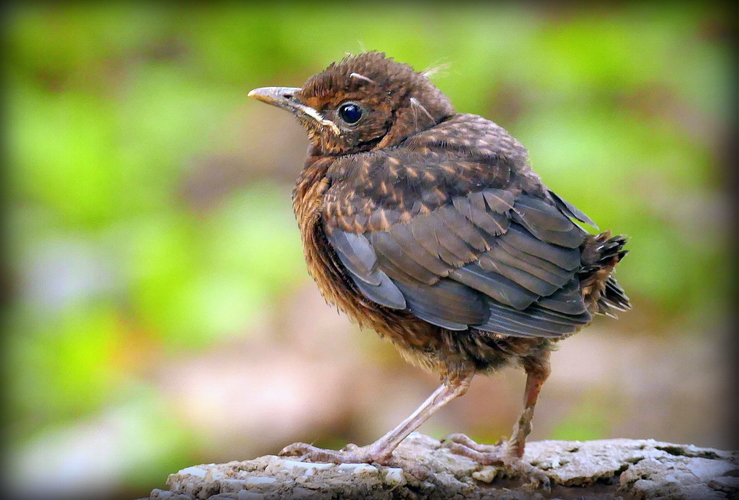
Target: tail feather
{"points": [[601, 291], [614, 296]]}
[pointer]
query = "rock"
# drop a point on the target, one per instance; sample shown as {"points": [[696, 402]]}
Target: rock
{"points": [[422, 468]]}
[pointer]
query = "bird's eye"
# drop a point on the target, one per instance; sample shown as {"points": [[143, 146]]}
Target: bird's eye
{"points": [[351, 113]]}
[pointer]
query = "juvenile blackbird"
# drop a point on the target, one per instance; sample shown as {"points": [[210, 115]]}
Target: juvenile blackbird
{"points": [[430, 227]]}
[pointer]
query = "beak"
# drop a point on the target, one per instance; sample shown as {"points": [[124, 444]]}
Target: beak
{"points": [[284, 97]]}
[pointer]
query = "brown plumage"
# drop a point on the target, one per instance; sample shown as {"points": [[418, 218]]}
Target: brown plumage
{"points": [[430, 227]]}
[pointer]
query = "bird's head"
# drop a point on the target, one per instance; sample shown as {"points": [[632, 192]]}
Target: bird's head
{"points": [[363, 102]]}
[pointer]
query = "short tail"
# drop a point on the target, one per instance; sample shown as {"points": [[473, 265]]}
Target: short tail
{"points": [[601, 291]]}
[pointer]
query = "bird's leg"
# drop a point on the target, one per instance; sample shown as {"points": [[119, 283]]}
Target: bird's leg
{"points": [[382, 449], [510, 452], [537, 373]]}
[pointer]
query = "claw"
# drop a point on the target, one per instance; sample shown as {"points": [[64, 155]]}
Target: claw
{"points": [[294, 449], [504, 454], [537, 477]]}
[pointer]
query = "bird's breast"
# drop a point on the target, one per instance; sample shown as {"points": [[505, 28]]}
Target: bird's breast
{"points": [[323, 265]]}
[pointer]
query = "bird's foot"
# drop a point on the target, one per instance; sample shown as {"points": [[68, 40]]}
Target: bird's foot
{"points": [[351, 454], [484, 454], [505, 454]]}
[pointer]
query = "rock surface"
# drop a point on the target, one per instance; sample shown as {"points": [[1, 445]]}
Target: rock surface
{"points": [[423, 468]]}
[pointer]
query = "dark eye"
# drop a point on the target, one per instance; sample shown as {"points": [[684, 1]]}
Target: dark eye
{"points": [[350, 113]]}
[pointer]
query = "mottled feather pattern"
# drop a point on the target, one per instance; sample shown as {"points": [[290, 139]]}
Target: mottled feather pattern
{"points": [[411, 179]]}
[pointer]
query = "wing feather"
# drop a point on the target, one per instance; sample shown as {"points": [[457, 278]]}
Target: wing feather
{"points": [[542, 270], [386, 293], [447, 304], [567, 300], [390, 252], [547, 222], [492, 223], [520, 238], [571, 210], [356, 253], [494, 285], [514, 273], [402, 235]]}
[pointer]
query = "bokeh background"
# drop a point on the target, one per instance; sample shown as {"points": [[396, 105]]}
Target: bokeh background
{"points": [[159, 312]]}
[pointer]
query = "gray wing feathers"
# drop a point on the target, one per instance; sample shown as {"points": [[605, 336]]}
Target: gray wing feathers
{"points": [[447, 304], [356, 253], [547, 222], [494, 285], [385, 294], [490, 260], [571, 210], [359, 258]]}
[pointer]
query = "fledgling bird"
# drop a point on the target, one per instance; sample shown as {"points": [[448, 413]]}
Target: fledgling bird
{"points": [[430, 227]]}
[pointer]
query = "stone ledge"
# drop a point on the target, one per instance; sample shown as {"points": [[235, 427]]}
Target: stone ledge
{"points": [[421, 468]]}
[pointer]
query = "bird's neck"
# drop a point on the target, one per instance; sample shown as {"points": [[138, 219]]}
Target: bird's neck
{"points": [[411, 119]]}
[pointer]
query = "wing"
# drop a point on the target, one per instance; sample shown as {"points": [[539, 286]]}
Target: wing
{"points": [[449, 243]]}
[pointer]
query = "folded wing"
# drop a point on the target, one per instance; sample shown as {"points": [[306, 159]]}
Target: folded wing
{"points": [[497, 260]]}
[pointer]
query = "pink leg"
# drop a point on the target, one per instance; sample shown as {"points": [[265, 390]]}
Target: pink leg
{"points": [[536, 376], [382, 449], [511, 451]]}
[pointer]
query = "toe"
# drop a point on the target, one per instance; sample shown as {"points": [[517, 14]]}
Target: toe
{"points": [[459, 438], [294, 449], [537, 477], [481, 457], [312, 454], [463, 440]]}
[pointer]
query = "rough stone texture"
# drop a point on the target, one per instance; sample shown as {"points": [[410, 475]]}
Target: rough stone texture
{"points": [[423, 468]]}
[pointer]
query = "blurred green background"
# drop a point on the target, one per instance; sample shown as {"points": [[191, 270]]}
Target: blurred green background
{"points": [[160, 313]]}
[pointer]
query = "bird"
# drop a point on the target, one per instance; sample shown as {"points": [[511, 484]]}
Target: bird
{"points": [[430, 227]]}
